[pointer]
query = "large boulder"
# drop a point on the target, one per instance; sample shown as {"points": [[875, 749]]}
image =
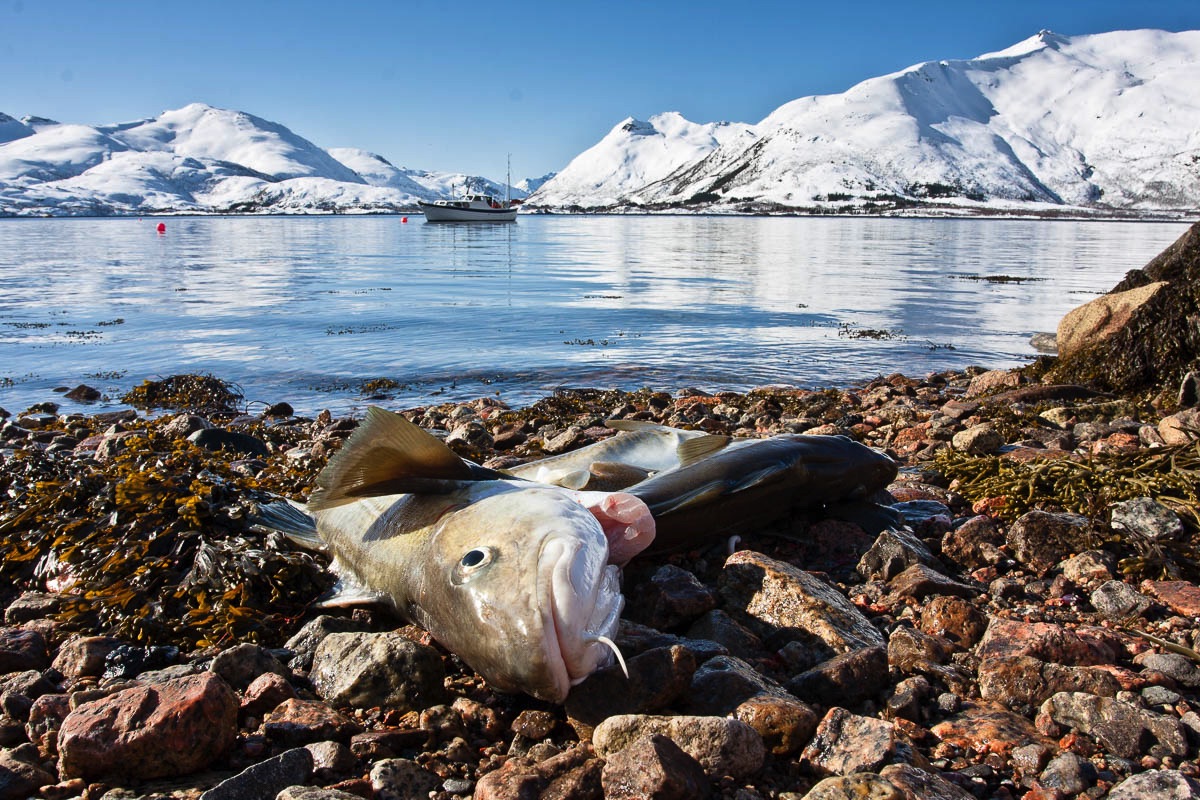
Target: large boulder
{"points": [[1145, 333]]}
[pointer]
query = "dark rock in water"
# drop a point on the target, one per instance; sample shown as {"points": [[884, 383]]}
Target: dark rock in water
{"points": [[83, 394], [1142, 334], [279, 410], [221, 439]]}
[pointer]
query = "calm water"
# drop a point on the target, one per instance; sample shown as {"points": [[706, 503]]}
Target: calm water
{"points": [[308, 309]]}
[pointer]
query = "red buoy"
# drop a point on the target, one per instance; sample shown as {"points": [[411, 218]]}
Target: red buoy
{"points": [[162, 227], [404, 219]]}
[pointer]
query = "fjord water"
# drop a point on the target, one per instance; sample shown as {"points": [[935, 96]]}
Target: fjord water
{"points": [[310, 309]]}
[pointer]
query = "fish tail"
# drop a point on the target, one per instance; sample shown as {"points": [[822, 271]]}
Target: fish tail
{"points": [[289, 520]]}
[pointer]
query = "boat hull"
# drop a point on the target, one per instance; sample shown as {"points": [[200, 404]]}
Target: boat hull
{"points": [[445, 213]]}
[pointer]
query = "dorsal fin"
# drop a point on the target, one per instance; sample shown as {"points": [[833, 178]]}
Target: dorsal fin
{"points": [[701, 447], [383, 456], [635, 425]]}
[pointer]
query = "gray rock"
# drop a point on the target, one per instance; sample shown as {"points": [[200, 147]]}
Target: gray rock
{"points": [[304, 642], [364, 670], [846, 743], [1182, 669], [1118, 601], [1147, 518], [242, 663], [719, 627], [182, 426], [314, 793], [722, 746], [1040, 539], [266, 778], [30, 606], [859, 786], [781, 597], [672, 597], [331, 758], [653, 767], [1121, 728], [1166, 784], [723, 683], [657, 679], [918, 783], [846, 680], [1069, 773], [402, 779], [892, 553], [978, 439]]}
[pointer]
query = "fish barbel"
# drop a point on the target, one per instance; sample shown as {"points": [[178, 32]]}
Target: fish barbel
{"points": [[512, 576]]}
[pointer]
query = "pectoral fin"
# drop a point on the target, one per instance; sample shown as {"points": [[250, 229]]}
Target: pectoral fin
{"points": [[390, 455], [702, 447]]}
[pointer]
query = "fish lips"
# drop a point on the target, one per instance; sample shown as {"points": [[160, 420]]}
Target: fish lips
{"points": [[581, 607]]}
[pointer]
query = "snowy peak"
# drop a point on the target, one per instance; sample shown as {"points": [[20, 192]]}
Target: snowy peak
{"points": [[1106, 121], [12, 129]]}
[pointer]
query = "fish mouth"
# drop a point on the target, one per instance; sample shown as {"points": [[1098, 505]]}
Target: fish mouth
{"points": [[582, 607]]}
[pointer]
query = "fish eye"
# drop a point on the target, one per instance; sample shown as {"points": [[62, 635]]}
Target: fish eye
{"points": [[474, 558], [472, 562]]}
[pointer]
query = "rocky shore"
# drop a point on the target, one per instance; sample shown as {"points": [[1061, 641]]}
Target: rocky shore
{"points": [[1031, 633]]}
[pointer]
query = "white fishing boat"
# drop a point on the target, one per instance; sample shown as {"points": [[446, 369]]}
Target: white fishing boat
{"points": [[472, 208]]}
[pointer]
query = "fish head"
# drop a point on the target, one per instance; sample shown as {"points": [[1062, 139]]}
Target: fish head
{"points": [[522, 590]]}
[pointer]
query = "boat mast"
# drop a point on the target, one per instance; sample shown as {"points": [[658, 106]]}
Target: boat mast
{"points": [[508, 182]]}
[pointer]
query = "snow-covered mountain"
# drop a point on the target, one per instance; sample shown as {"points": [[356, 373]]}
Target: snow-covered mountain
{"points": [[1106, 121], [200, 159]]}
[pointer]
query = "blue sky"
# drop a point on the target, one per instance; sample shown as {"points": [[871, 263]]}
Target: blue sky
{"points": [[457, 86]]}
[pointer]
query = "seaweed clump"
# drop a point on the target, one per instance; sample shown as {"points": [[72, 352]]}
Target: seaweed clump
{"points": [[152, 544], [1168, 475], [198, 394]]}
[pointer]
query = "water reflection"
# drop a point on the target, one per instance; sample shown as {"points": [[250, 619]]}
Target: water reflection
{"points": [[291, 307]]}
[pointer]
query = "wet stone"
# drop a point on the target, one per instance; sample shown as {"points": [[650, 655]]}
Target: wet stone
{"points": [[845, 680], [129, 661], [364, 670], [653, 767], [266, 778], [778, 596], [722, 746], [220, 439]]}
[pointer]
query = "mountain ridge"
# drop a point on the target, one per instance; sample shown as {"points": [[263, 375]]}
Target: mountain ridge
{"points": [[1102, 122]]}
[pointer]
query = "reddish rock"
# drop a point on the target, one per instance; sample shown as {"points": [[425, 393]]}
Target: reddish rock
{"points": [[920, 581], [1182, 597], [265, 693], [1021, 680], [785, 725], [846, 743], [954, 618], [297, 722], [574, 773], [46, 716], [988, 728], [150, 731], [1049, 642], [22, 650], [653, 768], [84, 655]]}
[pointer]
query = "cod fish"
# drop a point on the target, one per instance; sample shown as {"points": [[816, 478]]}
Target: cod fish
{"points": [[516, 578]]}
